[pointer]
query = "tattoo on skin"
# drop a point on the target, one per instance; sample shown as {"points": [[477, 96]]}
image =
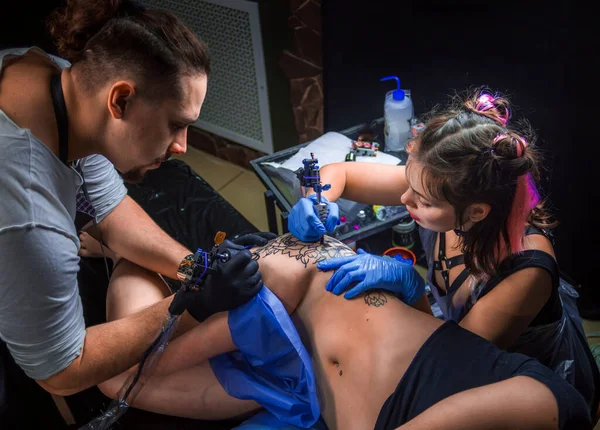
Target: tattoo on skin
{"points": [[312, 253], [376, 298], [306, 253]]}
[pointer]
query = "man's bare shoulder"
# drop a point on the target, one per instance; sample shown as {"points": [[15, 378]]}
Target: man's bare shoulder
{"points": [[25, 94], [305, 252]]}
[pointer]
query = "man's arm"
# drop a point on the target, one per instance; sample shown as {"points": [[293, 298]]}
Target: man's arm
{"points": [[130, 232], [109, 349], [124, 225], [51, 343], [41, 318]]}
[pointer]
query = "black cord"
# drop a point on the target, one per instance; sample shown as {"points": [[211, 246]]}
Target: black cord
{"points": [[138, 373]]}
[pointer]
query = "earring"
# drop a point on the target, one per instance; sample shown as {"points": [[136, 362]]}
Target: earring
{"points": [[459, 232]]}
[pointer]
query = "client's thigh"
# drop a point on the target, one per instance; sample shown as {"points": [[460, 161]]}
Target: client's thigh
{"points": [[193, 392], [190, 391], [133, 288]]}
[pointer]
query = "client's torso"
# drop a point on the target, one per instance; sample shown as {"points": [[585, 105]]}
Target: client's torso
{"points": [[360, 348]]}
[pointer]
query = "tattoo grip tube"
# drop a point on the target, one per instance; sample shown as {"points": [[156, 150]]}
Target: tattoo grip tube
{"points": [[322, 211]]}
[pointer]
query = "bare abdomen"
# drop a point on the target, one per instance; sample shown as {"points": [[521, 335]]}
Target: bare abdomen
{"points": [[360, 349]]}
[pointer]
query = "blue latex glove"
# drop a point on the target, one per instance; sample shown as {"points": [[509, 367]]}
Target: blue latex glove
{"points": [[371, 271], [304, 222]]}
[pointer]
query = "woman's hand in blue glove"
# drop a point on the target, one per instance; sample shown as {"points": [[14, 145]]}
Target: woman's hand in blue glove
{"points": [[304, 222], [371, 271]]}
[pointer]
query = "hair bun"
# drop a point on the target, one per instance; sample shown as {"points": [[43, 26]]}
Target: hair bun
{"points": [[492, 107], [512, 148], [509, 145], [74, 24]]}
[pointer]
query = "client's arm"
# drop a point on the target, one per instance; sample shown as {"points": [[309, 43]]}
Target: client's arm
{"points": [[519, 402]]}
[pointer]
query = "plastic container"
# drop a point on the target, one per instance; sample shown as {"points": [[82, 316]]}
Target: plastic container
{"points": [[404, 234], [398, 112], [361, 218], [386, 212], [380, 212], [401, 254]]}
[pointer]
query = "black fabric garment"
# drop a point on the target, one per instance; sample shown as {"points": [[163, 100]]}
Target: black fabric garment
{"points": [[453, 360], [449, 263], [555, 337], [186, 207], [552, 310]]}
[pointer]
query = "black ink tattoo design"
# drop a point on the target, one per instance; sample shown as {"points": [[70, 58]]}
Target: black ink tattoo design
{"points": [[302, 251], [375, 298]]}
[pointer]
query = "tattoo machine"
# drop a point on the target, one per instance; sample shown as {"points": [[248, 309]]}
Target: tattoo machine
{"points": [[310, 177], [193, 277]]}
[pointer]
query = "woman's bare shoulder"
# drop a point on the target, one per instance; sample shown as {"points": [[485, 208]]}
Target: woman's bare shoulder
{"points": [[538, 242]]}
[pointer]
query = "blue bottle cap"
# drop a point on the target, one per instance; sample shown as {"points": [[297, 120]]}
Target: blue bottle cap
{"points": [[398, 94]]}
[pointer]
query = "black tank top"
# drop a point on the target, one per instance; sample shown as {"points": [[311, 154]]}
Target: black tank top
{"points": [[453, 310]]}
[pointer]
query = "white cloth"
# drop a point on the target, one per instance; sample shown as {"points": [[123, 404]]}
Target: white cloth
{"points": [[330, 148]]}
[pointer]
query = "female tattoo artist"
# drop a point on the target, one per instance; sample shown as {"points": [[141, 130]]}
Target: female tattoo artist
{"points": [[470, 184]]}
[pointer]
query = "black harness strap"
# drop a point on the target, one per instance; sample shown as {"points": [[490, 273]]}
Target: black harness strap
{"points": [[62, 120], [449, 263]]}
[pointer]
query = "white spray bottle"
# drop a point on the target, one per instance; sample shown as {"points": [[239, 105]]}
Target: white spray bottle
{"points": [[398, 111]]}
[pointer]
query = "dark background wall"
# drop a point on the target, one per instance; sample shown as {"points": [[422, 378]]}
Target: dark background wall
{"points": [[23, 23], [534, 51]]}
